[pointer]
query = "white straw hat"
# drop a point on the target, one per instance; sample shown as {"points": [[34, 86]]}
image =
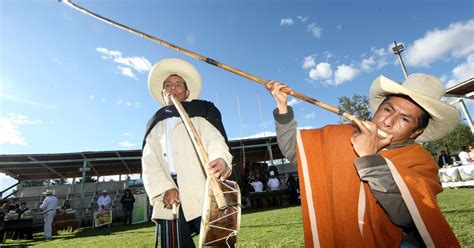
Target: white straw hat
{"points": [[166, 67], [426, 91]]}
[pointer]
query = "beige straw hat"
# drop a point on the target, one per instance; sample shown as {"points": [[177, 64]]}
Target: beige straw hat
{"points": [[166, 67], [425, 90]]}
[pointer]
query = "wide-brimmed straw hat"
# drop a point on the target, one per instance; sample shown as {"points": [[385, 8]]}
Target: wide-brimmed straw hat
{"points": [[166, 67], [426, 91], [48, 192]]}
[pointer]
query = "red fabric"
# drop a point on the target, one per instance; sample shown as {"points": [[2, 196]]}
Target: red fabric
{"points": [[335, 191]]}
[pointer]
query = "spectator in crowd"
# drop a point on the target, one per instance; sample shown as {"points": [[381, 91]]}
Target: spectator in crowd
{"points": [[127, 201], [444, 159], [471, 152], [464, 156], [66, 205], [20, 234], [291, 184], [21, 209], [273, 183], [49, 206], [104, 201], [257, 185]]}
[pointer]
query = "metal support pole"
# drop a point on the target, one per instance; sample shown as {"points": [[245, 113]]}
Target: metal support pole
{"points": [[83, 170], [398, 49], [466, 114], [269, 148]]}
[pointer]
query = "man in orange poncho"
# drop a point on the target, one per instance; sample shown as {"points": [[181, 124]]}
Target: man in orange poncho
{"points": [[362, 190]]}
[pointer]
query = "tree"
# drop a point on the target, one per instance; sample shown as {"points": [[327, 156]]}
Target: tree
{"points": [[461, 136], [357, 105]]}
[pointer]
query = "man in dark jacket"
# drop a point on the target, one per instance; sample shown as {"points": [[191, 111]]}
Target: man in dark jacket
{"points": [[127, 206], [444, 159]]}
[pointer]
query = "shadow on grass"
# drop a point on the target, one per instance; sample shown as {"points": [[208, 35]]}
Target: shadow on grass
{"points": [[78, 233]]}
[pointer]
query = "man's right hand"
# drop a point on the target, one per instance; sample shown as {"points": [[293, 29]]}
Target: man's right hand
{"points": [[170, 197], [280, 97]]}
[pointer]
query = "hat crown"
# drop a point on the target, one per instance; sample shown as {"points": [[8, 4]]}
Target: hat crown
{"points": [[426, 85]]}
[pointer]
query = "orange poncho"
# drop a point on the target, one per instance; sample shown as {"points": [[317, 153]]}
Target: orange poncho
{"points": [[330, 193]]}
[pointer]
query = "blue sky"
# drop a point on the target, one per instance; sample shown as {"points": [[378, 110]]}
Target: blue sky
{"points": [[71, 83]]}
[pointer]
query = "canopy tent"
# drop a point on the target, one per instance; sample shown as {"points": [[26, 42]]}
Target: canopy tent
{"points": [[107, 163], [463, 90]]}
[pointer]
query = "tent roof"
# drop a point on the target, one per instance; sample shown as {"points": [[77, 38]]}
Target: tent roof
{"points": [[107, 163], [464, 89]]}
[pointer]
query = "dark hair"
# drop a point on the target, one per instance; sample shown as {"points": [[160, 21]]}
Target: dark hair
{"points": [[185, 84], [424, 117], [129, 191], [23, 203]]}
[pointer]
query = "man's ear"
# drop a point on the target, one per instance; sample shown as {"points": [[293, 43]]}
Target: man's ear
{"points": [[416, 133], [187, 93]]}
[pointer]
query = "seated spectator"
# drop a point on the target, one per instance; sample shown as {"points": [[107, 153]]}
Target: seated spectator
{"points": [[464, 156], [104, 202], [444, 159], [471, 152], [21, 209], [273, 182], [66, 205], [257, 185]]}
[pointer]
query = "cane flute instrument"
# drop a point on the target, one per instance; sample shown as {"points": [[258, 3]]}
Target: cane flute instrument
{"points": [[221, 211], [216, 63], [202, 154]]}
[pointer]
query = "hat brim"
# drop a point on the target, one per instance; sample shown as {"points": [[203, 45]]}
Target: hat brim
{"points": [[164, 68], [444, 117]]}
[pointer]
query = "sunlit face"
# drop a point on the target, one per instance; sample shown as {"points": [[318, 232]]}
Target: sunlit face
{"points": [[175, 86], [399, 117]]}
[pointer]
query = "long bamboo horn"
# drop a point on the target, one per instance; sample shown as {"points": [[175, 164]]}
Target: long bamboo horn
{"points": [[202, 154], [215, 63]]}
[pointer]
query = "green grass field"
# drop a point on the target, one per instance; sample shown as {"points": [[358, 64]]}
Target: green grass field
{"points": [[269, 228]]}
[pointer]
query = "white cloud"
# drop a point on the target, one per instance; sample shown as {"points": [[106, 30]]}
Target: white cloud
{"points": [[310, 116], [309, 62], [106, 53], [19, 119], [286, 22], [303, 19], [462, 72], [9, 128], [91, 97], [339, 27], [24, 100], [321, 71], [344, 73], [366, 64], [139, 64], [126, 64], [9, 133], [315, 30], [453, 41], [293, 101], [126, 71], [127, 144], [328, 54]]}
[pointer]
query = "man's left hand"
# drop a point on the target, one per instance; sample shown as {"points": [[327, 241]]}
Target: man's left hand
{"points": [[367, 141], [219, 169]]}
